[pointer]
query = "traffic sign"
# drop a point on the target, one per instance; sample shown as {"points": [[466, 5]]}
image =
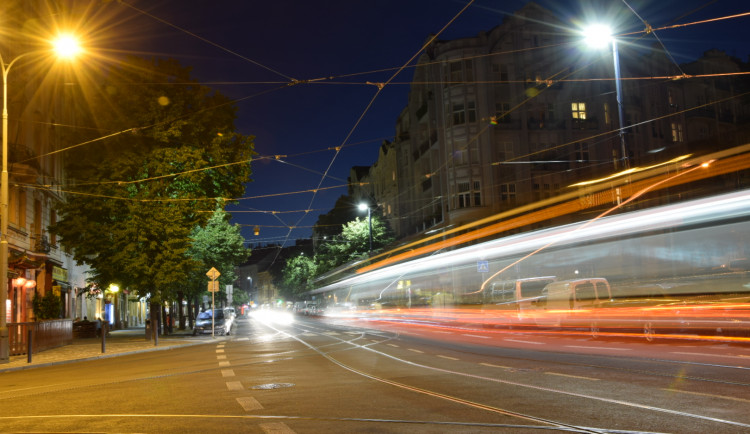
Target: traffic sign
{"points": [[213, 273], [483, 266], [213, 286]]}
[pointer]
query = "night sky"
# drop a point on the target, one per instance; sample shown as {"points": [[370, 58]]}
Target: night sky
{"points": [[252, 51]]}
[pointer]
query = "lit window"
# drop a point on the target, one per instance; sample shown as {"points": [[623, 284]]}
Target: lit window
{"points": [[579, 110], [676, 132]]}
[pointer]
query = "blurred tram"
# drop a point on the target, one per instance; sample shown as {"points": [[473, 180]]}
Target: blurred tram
{"points": [[675, 271]]}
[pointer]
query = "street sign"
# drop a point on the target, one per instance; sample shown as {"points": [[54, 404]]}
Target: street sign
{"points": [[483, 266], [213, 273], [213, 286]]}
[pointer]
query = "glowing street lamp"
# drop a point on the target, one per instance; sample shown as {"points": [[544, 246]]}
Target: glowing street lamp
{"points": [[362, 207], [599, 36], [66, 47]]}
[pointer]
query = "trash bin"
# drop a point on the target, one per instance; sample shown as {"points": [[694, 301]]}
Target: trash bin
{"points": [[148, 330]]}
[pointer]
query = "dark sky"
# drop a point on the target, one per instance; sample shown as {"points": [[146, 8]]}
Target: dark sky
{"points": [[250, 51]]}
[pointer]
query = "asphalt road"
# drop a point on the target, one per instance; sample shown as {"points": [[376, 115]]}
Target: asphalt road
{"points": [[342, 375]]}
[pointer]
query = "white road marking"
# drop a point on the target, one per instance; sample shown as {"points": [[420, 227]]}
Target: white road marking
{"points": [[227, 373], [249, 403], [495, 366], [710, 355], [597, 348], [393, 345], [276, 428], [572, 376], [223, 357], [234, 385], [476, 336], [219, 351], [224, 364], [242, 339], [416, 351], [524, 342], [446, 357], [708, 394]]}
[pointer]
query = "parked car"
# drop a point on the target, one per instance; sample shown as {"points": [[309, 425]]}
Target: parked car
{"points": [[223, 320]]}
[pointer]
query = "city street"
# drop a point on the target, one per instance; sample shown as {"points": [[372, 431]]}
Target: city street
{"points": [[276, 375]]}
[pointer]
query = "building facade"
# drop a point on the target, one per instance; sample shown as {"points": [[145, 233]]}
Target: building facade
{"points": [[519, 113]]}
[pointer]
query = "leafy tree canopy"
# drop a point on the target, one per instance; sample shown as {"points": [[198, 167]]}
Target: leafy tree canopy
{"points": [[136, 195]]}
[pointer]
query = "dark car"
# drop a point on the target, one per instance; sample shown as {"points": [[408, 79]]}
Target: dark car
{"points": [[222, 322]]}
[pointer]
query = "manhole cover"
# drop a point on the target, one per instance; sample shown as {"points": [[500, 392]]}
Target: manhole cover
{"points": [[272, 386]]}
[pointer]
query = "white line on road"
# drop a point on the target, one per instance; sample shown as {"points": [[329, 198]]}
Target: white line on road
{"points": [[708, 394], [242, 339], [572, 376], [710, 355], [416, 351], [476, 336], [524, 342], [219, 351], [495, 366], [234, 385], [393, 345], [221, 357], [249, 403], [227, 372], [224, 364], [597, 348], [446, 357], [276, 428]]}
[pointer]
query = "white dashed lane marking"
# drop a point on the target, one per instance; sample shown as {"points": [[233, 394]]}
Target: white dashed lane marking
{"points": [[227, 373], [234, 385], [249, 403], [446, 357]]}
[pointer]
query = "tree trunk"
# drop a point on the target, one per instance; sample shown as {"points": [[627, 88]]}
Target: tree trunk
{"points": [[180, 298]]}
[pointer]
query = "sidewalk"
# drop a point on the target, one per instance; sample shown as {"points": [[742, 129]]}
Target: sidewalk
{"points": [[118, 343]]}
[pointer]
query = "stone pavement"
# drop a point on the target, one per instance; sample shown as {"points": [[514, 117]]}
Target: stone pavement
{"points": [[118, 343]]}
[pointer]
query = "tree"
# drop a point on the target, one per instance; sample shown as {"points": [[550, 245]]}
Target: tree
{"points": [[136, 195], [297, 276], [353, 243], [217, 244]]}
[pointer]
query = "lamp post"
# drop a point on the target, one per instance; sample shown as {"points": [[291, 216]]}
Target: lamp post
{"points": [[65, 46], [599, 36], [362, 207]]}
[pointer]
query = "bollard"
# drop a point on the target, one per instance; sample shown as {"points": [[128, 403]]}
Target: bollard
{"points": [[28, 352], [104, 339]]}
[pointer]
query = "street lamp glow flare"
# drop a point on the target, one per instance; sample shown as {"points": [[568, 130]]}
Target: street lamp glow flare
{"points": [[66, 46], [598, 35]]}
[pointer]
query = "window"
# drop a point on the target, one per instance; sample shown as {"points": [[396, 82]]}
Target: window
{"points": [[460, 113], [52, 221], [508, 192], [607, 120], [459, 116], [502, 112], [579, 110], [676, 132], [467, 196], [454, 72], [582, 152]]}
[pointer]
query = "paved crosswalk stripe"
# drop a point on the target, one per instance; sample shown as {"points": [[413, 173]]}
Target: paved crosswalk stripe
{"points": [[276, 428], [227, 373], [234, 385], [249, 403]]}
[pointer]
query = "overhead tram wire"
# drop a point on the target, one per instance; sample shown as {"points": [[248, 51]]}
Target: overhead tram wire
{"points": [[267, 68], [380, 88]]}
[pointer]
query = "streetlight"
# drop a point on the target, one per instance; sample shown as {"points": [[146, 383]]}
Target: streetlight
{"points": [[115, 290], [599, 36], [363, 206], [65, 47]]}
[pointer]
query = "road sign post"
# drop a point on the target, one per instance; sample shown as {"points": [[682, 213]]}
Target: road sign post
{"points": [[213, 287]]}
